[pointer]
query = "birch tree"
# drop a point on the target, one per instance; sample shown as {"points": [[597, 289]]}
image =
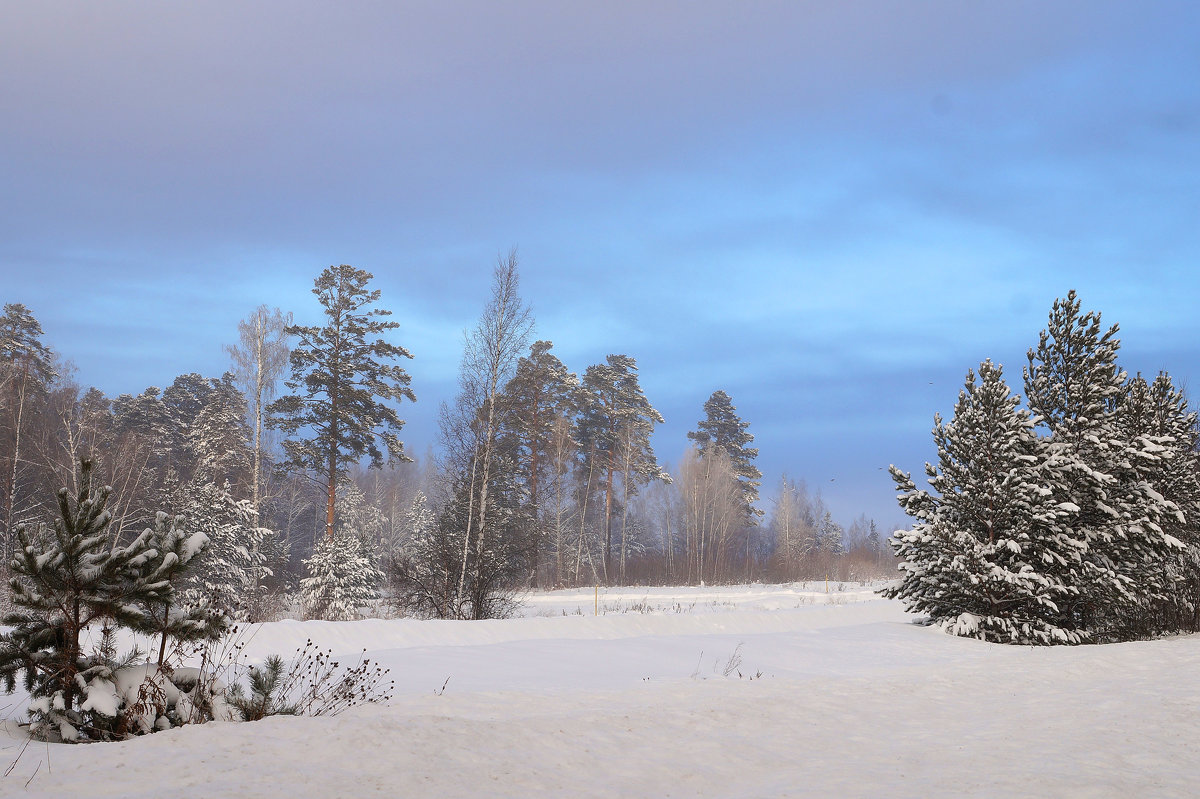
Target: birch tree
{"points": [[259, 358], [26, 369], [470, 428]]}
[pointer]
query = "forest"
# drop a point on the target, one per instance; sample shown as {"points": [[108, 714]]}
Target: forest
{"points": [[292, 466]]}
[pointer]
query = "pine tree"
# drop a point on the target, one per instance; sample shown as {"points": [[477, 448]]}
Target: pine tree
{"points": [[1075, 387], [1156, 415], [182, 615], [721, 427], [829, 536], [360, 519], [536, 409], [218, 437], [541, 391], [614, 431], [342, 380], [987, 557], [341, 579], [234, 563], [72, 576]]}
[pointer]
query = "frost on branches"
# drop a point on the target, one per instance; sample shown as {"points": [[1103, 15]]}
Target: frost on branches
{"points": [[1085, 533]]}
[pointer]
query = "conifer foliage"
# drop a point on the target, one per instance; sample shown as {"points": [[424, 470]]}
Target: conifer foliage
{"points": [[1086, 532], [343, 375], [342, 578], [724, 429], [70, 576], [984, 558]]}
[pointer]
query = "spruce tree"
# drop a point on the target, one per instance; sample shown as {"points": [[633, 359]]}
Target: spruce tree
{"points": [[342, 377], [341, 579], [987, 557], [234, 563], [1157, 415]]}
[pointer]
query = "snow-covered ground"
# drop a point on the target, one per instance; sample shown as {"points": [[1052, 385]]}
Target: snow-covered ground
{"points": [[721, 691]]}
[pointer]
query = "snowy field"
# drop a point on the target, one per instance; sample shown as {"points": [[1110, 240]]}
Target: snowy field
{"points": [[755, 691]]}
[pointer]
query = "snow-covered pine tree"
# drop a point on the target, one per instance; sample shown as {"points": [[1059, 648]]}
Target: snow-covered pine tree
{"points": [[219, 436], [69, 577], [1074, 387], [986, 555], [175, 614], [1156, 415], [829, 536], [358, 518], [343, 571], [341, 579]]}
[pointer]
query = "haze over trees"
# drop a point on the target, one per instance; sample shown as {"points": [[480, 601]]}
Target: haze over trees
{"points": [[1066, 517], [544, 476]]}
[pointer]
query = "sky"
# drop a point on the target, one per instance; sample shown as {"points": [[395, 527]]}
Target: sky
{"points": [[828, 210]]}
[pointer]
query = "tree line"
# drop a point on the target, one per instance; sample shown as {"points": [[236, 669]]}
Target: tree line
{"points": [[292, 466]]}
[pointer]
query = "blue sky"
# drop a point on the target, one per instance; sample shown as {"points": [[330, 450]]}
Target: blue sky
{"points": [[829, 210]]}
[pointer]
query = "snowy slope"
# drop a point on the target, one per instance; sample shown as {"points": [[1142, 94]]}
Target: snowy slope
{"points": [[853, 700]]}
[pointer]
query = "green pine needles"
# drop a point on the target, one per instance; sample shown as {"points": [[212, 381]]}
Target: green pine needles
{"points": [[72, 577], [1075, 521]]}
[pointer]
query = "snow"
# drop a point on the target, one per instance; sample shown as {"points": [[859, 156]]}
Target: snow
{"points": [[839, 694]]}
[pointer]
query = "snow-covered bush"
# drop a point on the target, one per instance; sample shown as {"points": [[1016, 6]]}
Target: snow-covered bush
{"points": [[314, 683]]}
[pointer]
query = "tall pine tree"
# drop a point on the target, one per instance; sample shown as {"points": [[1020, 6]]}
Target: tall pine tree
{"points": [[342, 377], [722, 427], [614, 431], [1074, 385]]}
